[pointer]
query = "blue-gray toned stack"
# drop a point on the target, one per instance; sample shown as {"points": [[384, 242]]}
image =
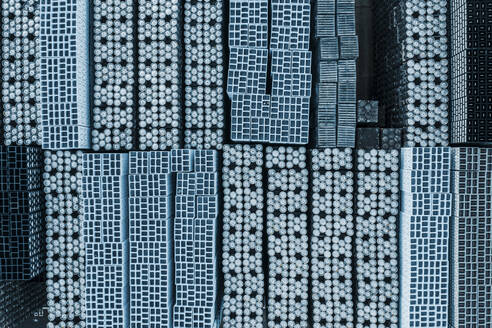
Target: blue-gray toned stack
{"points": [[424, 236], [471, 76], [331, 264], [286, 228], [471, 284], [195, 227], [64, 74], [248, 65], [412, 68], [290, 71], [22, 231], [337, 49], [105, 197], [204, 73], [160, 74], [376, 238], [20, 73], [242, 236], [150, 223], [113, 120], [283, 116]]}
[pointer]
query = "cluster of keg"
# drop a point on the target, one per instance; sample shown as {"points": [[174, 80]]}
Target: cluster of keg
{"points": [[113, 116], [65, 268], [20, 72], [287, 207], [376, 238], [412, 68], [159, 74], [204, 139], [332, 234], [242, 236], [204, 76], [19, 299]]}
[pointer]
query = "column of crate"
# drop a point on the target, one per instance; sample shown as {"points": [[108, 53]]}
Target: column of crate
{"points": [[290, 71], [471, 228], [248, 66], [195, 225], [64, 74], [105, 197], [151, 251], [22, 234], [425, 215], [336, 52]]}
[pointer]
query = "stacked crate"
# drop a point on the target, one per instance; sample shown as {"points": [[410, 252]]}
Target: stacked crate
{"points": [[150, 223], [336, 52], [105, 196], [471, 48], [64, 75], [290, 71], [195, 228], [426, 203], [471, 286], [22, 234], [248, 65]]}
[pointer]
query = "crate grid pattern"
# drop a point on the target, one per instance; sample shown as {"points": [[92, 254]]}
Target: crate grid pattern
{"points": [[160, 74], [425, 220], [283, 115], [470, 72], [412, 68], [242, 237], [195, 228], [376, 238], [248, 66], [335, 54], [20, 74], [150, 239], [471, 230], [332, 236], [64, 71], [204, 74], [287, 247], [22, 241], [105, 211], [290, 71], [290, 23]]}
